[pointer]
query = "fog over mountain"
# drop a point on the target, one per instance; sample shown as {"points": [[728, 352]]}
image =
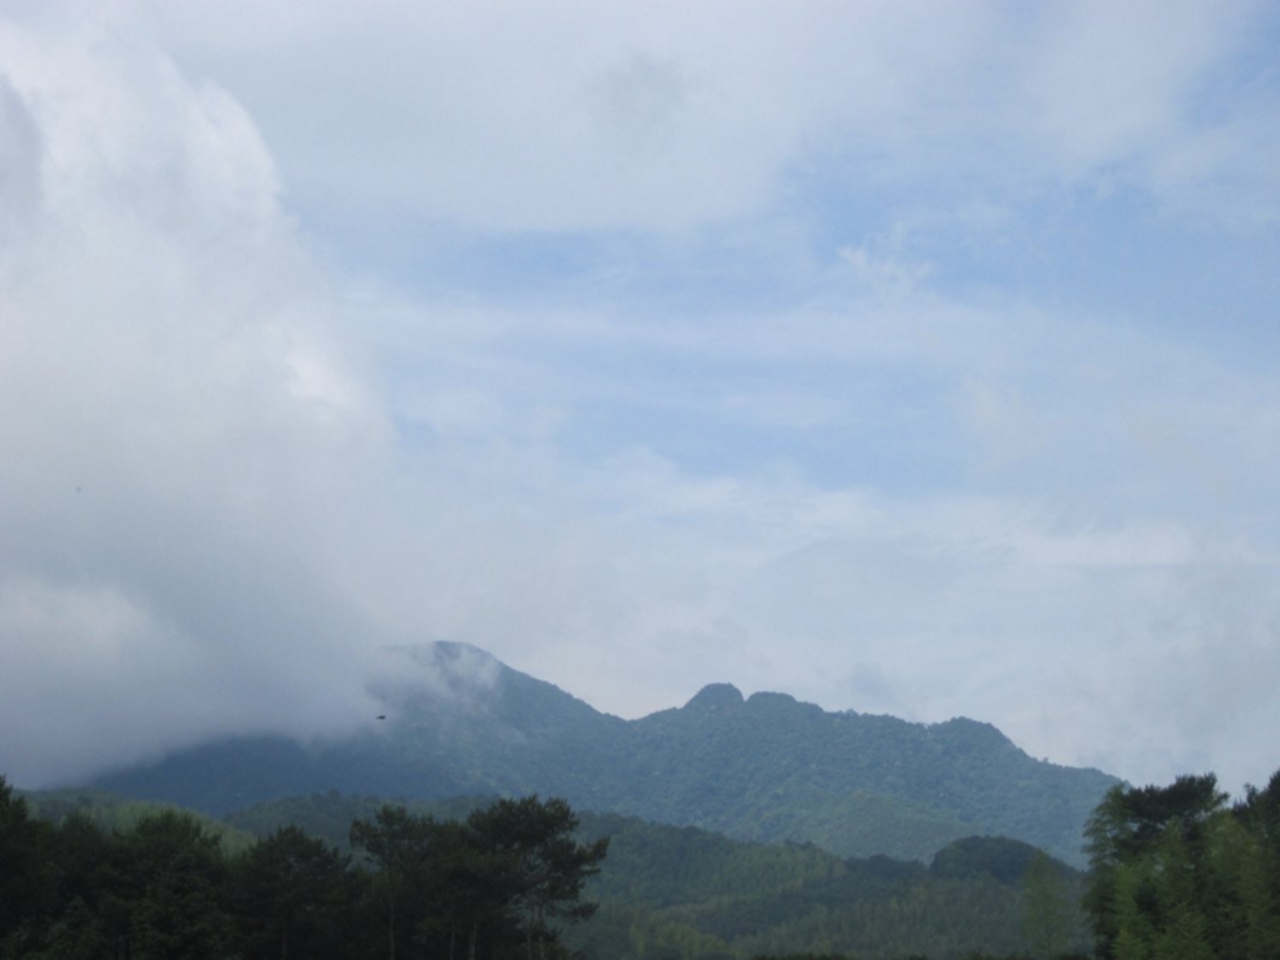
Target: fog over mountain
{"points": [[906, 359]]}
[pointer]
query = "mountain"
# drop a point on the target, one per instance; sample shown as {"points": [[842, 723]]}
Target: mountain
{"points": [[766, 768]]}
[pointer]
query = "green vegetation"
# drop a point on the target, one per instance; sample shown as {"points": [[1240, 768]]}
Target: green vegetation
{"points": [[1177, 874], [683, 892], [114, 813], [676, 892], [503, 883], [687, 894], [765, 768]]}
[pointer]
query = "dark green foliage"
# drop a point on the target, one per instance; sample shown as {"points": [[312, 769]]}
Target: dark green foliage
{"points": [[1129, 821], [1176, 874], [766, 768], [295, 895], [173, 876], [113, 812], [1051, 917], [1258, 815], [25, 881], [688, 894], [511, 872], [155, 892], [501, 884], [679, 893], [1000, 858], [329, 815], [548, 867]]}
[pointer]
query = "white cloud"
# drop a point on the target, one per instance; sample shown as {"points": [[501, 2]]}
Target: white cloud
{"points": [[1108, 81], [237, 470], [672, 116], [177, 422]]}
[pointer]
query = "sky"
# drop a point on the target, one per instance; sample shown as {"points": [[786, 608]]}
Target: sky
{"points": [[910, 358]]}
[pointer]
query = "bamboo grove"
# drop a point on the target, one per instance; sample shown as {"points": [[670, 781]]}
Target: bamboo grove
{"points": [[1178, 874]]}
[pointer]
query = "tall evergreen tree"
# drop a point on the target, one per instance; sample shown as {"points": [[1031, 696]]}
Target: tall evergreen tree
{"points": [[401, 845], [26, 883], [176, 877], [548, 865], [295, 897]]}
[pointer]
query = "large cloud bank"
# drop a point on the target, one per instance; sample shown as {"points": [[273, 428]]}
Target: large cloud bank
{"points": [[322, 333]]}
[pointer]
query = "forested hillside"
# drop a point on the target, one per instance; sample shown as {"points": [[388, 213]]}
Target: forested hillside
{"points": [[679, 893], [764, 768], [1176, 872]]}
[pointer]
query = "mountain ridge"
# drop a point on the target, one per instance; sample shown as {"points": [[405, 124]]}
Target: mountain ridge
{"points": [[767, 767]]}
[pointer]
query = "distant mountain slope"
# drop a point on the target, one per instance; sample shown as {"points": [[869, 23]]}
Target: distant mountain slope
{"points": [[111, 811], [770, 768], [767, 768]]}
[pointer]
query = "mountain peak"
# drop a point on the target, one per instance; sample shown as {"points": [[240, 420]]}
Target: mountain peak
{"points": [[959, 731], [452, 661], [769, 768], [716, 696]]}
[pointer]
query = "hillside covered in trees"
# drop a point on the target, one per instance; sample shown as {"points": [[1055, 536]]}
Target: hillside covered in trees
{"points": [[330, 875], [1176, 872], [765, 768], [669, 892]]}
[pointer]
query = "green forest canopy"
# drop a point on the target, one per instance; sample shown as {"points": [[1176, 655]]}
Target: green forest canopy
{"points": [[1176, 872]]}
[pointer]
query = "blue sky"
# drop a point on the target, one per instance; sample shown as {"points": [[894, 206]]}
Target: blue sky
{"points": [[909, 358]]}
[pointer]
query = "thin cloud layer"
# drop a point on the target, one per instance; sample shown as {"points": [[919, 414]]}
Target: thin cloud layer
{"points": [[672, 116], [856, 352]]}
